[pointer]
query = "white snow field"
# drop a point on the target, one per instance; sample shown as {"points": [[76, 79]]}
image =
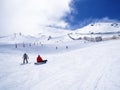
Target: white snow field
{"points": [[84, 65]]}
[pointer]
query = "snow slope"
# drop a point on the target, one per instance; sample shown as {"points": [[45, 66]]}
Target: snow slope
{"points": [[92, 68], [100, 27], [105, 30], [52, 36], [17, 38], [83, 65]]}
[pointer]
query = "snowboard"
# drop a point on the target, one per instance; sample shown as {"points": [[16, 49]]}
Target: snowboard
{"points": [[24, 63], [39, 63]]}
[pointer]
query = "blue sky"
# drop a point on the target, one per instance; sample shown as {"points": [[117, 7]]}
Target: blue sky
{"points": [[85, 11]]}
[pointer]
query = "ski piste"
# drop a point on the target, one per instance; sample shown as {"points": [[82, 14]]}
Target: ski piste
{"points": [[84, 65]]}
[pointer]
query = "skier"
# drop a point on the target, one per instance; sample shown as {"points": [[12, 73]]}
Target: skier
{"points": [[25, 58], [39, 59], [66, 47], [56, 47]]}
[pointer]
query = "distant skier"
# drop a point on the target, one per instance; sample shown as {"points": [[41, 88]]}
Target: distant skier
{"points": [[56, 47], [25, 58], [66, 47], [15, 45], [30, 44]]}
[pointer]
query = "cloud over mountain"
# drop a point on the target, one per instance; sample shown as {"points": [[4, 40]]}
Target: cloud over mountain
{"points": [[28, 15]]}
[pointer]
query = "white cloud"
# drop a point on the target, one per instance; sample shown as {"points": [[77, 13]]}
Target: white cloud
{"points": [[28, 15]]}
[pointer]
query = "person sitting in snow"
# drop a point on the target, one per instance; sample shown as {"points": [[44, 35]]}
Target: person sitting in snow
{"points": [[39, 59], [25, 58]]}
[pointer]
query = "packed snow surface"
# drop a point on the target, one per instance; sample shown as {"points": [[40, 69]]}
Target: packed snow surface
{"points": [[82, 65]]}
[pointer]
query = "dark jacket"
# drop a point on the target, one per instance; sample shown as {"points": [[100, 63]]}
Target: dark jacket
{"points": [[25, 56]]}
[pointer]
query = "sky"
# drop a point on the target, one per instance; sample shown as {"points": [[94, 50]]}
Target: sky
{"points": [[30, 16], [86, 11]]}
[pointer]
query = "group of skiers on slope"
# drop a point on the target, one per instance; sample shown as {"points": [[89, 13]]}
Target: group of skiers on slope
{"points": [[25, 58]]}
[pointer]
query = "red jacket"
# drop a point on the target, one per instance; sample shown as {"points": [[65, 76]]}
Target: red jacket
{"points": [[39, 59]]}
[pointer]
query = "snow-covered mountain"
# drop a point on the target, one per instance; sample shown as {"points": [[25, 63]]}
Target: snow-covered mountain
{"points": [[100, 27], [51, 36], [75, 60]]}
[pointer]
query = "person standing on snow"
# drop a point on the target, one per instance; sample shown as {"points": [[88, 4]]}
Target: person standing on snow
{"points": [[25, 58]]}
